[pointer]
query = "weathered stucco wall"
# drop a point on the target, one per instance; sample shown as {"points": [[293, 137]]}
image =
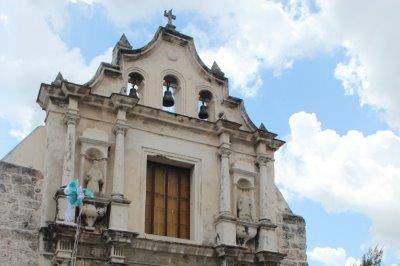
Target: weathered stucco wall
{"points": [[20, 198], [23, 154]]}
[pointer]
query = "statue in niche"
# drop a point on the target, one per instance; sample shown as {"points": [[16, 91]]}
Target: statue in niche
{"points": [[244, 201], [94, 178]]}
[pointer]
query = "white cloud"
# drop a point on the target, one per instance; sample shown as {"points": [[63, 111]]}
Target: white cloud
{"points": [[3, 19], [332, 257], [34, 53], [350, 172], [369, 33]]}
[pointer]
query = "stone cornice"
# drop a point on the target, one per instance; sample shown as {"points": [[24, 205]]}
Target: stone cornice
{"points": [[74, 90], [54, 94], [224, 125], [95, 141], [124, 102], [243, 172]]}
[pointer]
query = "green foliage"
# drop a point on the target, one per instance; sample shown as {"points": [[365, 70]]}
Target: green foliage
{"points": [[373, 257]]}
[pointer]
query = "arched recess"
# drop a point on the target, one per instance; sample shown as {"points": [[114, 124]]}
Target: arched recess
{"points": [[205, 93], [143, 91], [179, 93], [94, 169], [94, 160]]}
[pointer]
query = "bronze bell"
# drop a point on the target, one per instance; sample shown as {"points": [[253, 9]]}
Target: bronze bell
{"points": [[133, 93], [203, 113], [168, 99]]}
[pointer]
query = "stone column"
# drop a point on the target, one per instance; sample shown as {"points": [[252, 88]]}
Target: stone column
{"points": [[225, 224], [71, 118], [225, 183], [266, 183], [119, 157], [119, 204], [267, 239]]}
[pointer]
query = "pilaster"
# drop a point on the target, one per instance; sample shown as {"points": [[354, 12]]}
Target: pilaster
{"points": [[267, 238], [226, 223], [71, 120], [119, 206], [119, 130]]}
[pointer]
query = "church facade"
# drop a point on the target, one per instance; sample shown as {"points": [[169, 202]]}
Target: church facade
{"points": [[180, 174]]}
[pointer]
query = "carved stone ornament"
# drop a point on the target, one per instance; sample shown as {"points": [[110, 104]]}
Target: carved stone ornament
{"points": [[172, 55], [123, 91], [224, 151], [244, 233], [71, 118], [120, 128], [263, 160], [91, 214]]}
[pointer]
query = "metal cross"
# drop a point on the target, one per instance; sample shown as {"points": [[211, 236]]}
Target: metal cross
{"points": [[169, 16]]}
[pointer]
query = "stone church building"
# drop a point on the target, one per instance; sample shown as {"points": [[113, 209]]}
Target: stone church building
{"points": [[180, 173]]}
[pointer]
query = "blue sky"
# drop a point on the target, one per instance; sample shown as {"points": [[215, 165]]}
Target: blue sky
{"points": [[304, 70]]}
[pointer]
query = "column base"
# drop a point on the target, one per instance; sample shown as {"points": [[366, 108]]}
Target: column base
{"points": [[226, 215], [117, 196], [226, 232], [267, 239], [119, 214], [62, 208]]}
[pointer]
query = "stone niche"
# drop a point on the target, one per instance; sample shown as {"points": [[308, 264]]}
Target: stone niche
{"points": [[93, 175], [244, 204]]}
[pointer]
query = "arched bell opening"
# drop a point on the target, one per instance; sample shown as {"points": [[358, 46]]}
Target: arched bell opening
{"points": [[135, 84], [204, 104], [170, 87]]}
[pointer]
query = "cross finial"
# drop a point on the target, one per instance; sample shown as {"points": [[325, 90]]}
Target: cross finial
{"points": [[168, 14]]}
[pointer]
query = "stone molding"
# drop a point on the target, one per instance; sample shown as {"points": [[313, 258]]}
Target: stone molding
{"points": [[123, 102], [263, 160], [269, 258], [51, 93], [118, 236]]}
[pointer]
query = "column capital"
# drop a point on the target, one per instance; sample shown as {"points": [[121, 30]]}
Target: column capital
{"points": [[120, 128], [71, 118], [263, 159], [224, 151]]}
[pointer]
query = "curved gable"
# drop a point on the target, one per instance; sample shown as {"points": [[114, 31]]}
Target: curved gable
{"points": [[164, 33], [170, 53]]}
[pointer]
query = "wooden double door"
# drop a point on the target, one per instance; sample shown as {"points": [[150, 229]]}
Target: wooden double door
{"points": [[167, 200]]}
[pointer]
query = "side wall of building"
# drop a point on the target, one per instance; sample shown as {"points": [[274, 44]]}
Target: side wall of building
{"points": [[30, 151], [20, 200]]}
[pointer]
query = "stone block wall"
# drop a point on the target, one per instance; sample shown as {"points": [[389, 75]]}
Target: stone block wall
{"points": [[20, 199], [292, 239]]}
